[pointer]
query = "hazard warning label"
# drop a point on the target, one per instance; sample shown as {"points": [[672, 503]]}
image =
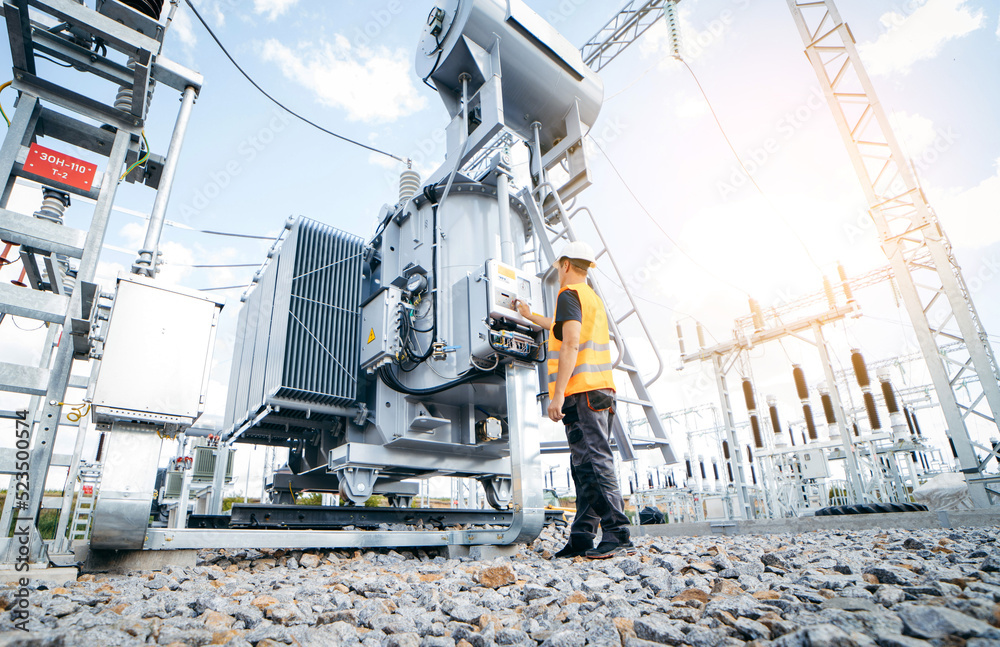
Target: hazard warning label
{"points": [[371, 336]]}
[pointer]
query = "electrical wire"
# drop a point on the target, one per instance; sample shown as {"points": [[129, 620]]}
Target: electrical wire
{"points": [[664, 231], [278, 103], [52, 60], [228, 287], [139, 162], [739, 161], [13, 320], [2, 88]]}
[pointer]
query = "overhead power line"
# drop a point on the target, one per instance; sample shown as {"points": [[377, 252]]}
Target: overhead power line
{"points": [[278, 103], [661, 228]]}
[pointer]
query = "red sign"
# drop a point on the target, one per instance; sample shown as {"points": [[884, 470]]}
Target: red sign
{"points": [[88, 490], [61, 168]]}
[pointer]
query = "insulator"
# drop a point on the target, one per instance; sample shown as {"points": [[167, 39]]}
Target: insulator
{"points": [[843, 280], [123, 99], [810, 423], [748, 395], [996, 449], [951, 443], [749, 455], [700, 330], [758, 441], [800, 382], [54, 205], [649, 479], [805, 440], [828, 408], [872, 411], [857, 430], [673, 31], [715, 469], [916, 425], [775, 423], [890, 397], [860, 370], [909, 420], [831, 299], [701, 464], [725, 449], [409, 184], [923, 461], [753, 475], [680, 338], [791, 434], [687, 465], [758, 316], [729, 469]]}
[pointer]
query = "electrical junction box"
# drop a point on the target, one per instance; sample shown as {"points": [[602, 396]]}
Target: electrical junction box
{"points": [[380, 343], [813, 464], [507, 284], [157, 345]]}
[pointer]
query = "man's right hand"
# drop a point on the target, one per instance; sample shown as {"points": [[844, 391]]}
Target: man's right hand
{"points": [[522, 308]]}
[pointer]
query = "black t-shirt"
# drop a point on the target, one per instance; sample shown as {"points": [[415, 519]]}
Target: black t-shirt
{"points": [[567, 309]]}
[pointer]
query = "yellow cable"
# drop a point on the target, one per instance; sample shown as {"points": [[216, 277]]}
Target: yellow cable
{"points": [[2, 88], [138, 162]]}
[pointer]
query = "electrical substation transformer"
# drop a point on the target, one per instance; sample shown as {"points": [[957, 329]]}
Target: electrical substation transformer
{"points": [[377, 362]]}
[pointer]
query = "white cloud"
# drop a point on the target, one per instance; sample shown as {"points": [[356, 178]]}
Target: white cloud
{"points": [[184, 29], [372, 85], [915, 132], [919, 35], [273, 8], [971, 217]]}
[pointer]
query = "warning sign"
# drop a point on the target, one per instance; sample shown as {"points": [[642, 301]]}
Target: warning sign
{"points": [[54, 165], [371, 336]]}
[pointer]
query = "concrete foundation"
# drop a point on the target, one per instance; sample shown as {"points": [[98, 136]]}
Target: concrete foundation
{"points": [[479, 553], [120, 562], [899, 520]]}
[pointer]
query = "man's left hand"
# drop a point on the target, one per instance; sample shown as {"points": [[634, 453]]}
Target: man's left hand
{"points": [[555, 408]]}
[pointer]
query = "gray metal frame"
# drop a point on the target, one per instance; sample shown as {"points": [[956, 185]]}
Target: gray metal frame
{"points": [[28, 34], [919, 252]]}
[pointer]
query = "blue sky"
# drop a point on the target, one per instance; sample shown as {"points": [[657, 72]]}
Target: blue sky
{"points": [[349, 66]]}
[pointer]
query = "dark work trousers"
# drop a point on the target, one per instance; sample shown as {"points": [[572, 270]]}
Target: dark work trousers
{"points": [[588, 419]]}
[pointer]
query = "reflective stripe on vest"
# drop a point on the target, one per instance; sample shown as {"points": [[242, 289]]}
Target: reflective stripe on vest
{"points": [[593, 362]]}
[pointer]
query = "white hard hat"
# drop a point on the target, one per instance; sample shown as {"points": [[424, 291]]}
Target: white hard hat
{"points": [[578, 250]]}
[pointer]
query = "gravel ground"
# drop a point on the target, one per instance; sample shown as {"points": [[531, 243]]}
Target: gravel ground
{"points": [[837, 589]]}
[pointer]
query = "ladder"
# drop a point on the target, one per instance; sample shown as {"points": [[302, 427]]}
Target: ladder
{"points": [[560, 229], [88, 479]]}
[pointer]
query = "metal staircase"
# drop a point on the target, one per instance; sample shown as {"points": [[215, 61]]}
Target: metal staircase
{"points": [[554, 231]]}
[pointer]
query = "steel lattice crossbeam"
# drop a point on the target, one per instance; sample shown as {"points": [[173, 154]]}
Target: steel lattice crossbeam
{"points": [[621, 31], [929, 278]]}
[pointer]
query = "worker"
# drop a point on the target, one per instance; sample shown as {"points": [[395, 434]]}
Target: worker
{"points": [[582, 396]]}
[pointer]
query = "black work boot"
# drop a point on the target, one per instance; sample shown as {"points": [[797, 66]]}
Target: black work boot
{"points": [[612, 545], [575, 547]]}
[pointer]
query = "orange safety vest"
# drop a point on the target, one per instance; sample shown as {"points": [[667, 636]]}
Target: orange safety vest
{"points": [[593, 362]]}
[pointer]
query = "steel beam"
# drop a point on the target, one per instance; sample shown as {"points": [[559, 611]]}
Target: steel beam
{"points": [[39, 234], [32, 304], [30, 380]]}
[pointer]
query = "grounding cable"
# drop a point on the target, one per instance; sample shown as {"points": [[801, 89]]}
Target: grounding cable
{"points": [[278, 103]]}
